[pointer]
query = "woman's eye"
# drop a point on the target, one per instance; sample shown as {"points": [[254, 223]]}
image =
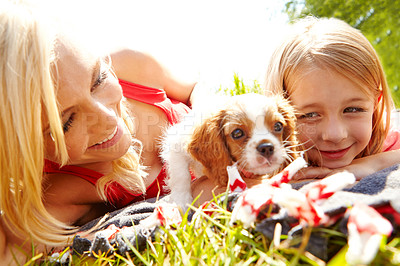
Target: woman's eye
{"points": [[103, 74], [278, 127], [237, 133], [100, 79], [68, 123], [308, 115], [353, 110]]}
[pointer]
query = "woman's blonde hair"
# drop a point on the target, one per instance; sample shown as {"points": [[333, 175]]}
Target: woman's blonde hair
{"points": [[26, 84], [27, 96], [332, 44]]}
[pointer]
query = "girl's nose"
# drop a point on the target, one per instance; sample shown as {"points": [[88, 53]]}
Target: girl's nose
{"points": [[334, 130]]}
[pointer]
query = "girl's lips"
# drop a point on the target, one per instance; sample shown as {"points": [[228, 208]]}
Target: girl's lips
{"points": [[118, 134], [336, 154]]}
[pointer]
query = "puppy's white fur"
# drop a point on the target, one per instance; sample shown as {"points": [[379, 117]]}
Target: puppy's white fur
{"points": [[254, 131]]}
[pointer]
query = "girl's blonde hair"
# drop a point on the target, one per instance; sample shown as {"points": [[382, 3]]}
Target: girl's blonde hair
{"points": [[332, 44], [27, 97]]}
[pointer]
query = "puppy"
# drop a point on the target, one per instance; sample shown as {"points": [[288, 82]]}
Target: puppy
{"points": [[253, 131]]}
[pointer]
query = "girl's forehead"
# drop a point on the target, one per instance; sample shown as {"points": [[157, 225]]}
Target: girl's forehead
{"points": [[325, 86], [325, 75]]}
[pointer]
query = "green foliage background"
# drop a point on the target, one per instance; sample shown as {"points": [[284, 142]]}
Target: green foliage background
{"points": [[240, 87], [378, 20]]}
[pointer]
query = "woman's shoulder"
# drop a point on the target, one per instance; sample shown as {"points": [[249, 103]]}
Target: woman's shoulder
{"points": [[137, 67], [142, 68]]}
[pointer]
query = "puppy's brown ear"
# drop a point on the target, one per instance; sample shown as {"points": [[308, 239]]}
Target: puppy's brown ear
{"points": [[208, 146], [289, 133]]}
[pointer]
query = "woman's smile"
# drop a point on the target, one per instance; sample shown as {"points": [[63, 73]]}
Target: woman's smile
{"points": [[112, 139]]}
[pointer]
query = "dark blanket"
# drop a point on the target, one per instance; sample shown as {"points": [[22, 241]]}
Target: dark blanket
{"points": [[377, 190], [126, 217]]}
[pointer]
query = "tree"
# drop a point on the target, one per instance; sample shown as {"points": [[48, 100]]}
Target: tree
{"points": [[378, 20]]}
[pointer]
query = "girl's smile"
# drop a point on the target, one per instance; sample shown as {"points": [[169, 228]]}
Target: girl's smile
{"points": [[334, 154]]}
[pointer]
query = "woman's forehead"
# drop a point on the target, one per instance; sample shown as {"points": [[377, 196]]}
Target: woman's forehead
{"points": [[65, 47], [72, 61]]}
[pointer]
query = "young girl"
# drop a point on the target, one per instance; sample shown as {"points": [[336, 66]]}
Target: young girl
{"points": [[333, 77], [67, 151]]}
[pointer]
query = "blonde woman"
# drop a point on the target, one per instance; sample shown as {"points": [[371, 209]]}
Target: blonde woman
{"points": [[69, 152], [332, 75]]}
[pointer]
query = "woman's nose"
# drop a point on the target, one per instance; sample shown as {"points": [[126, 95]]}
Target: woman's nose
{"points": [[101, 119], [334, 130]]}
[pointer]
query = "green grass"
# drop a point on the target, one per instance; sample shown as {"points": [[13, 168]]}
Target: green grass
{"points": [[211, 240]]}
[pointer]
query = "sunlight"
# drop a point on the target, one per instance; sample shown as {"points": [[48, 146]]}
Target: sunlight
{"points": [[207, 40]]}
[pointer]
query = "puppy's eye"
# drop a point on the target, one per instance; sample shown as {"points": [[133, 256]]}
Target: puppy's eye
{"points": [[278, 127], [237, 133]]}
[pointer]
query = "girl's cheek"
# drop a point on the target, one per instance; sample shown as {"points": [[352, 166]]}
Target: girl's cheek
{"points": [[307, 133]]}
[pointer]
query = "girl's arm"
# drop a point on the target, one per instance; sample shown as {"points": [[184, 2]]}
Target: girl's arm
{"points": [[137, 67], [368, 165], [360, 167]]}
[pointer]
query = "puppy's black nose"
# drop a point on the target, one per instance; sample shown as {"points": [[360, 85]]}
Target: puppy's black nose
{"points": [[266, 149]]}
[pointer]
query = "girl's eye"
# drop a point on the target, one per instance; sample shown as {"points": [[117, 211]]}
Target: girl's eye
{"points": [[237, 133], [68, 124], [278, 127], [103, 74], [353, 110], [308, 115]]}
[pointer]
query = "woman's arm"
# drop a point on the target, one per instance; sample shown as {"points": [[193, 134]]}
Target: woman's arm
{"points": [[72, 199], [12, 247], [141, 68], [3, 240]]}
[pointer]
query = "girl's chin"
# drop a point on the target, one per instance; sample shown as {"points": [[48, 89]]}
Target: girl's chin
{"points": [[330, 161], [329, 164], [334, 165]]}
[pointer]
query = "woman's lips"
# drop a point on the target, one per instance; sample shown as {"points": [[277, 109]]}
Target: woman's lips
{"points": [[110, 140], [334, 154]]}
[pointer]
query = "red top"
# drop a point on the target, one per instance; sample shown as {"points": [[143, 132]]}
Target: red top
{"points": [[173, 109], [392, 141], [116, 194]]}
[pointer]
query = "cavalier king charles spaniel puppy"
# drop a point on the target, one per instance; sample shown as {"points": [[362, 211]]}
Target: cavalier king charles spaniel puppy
{"points": [[253, 131]]}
